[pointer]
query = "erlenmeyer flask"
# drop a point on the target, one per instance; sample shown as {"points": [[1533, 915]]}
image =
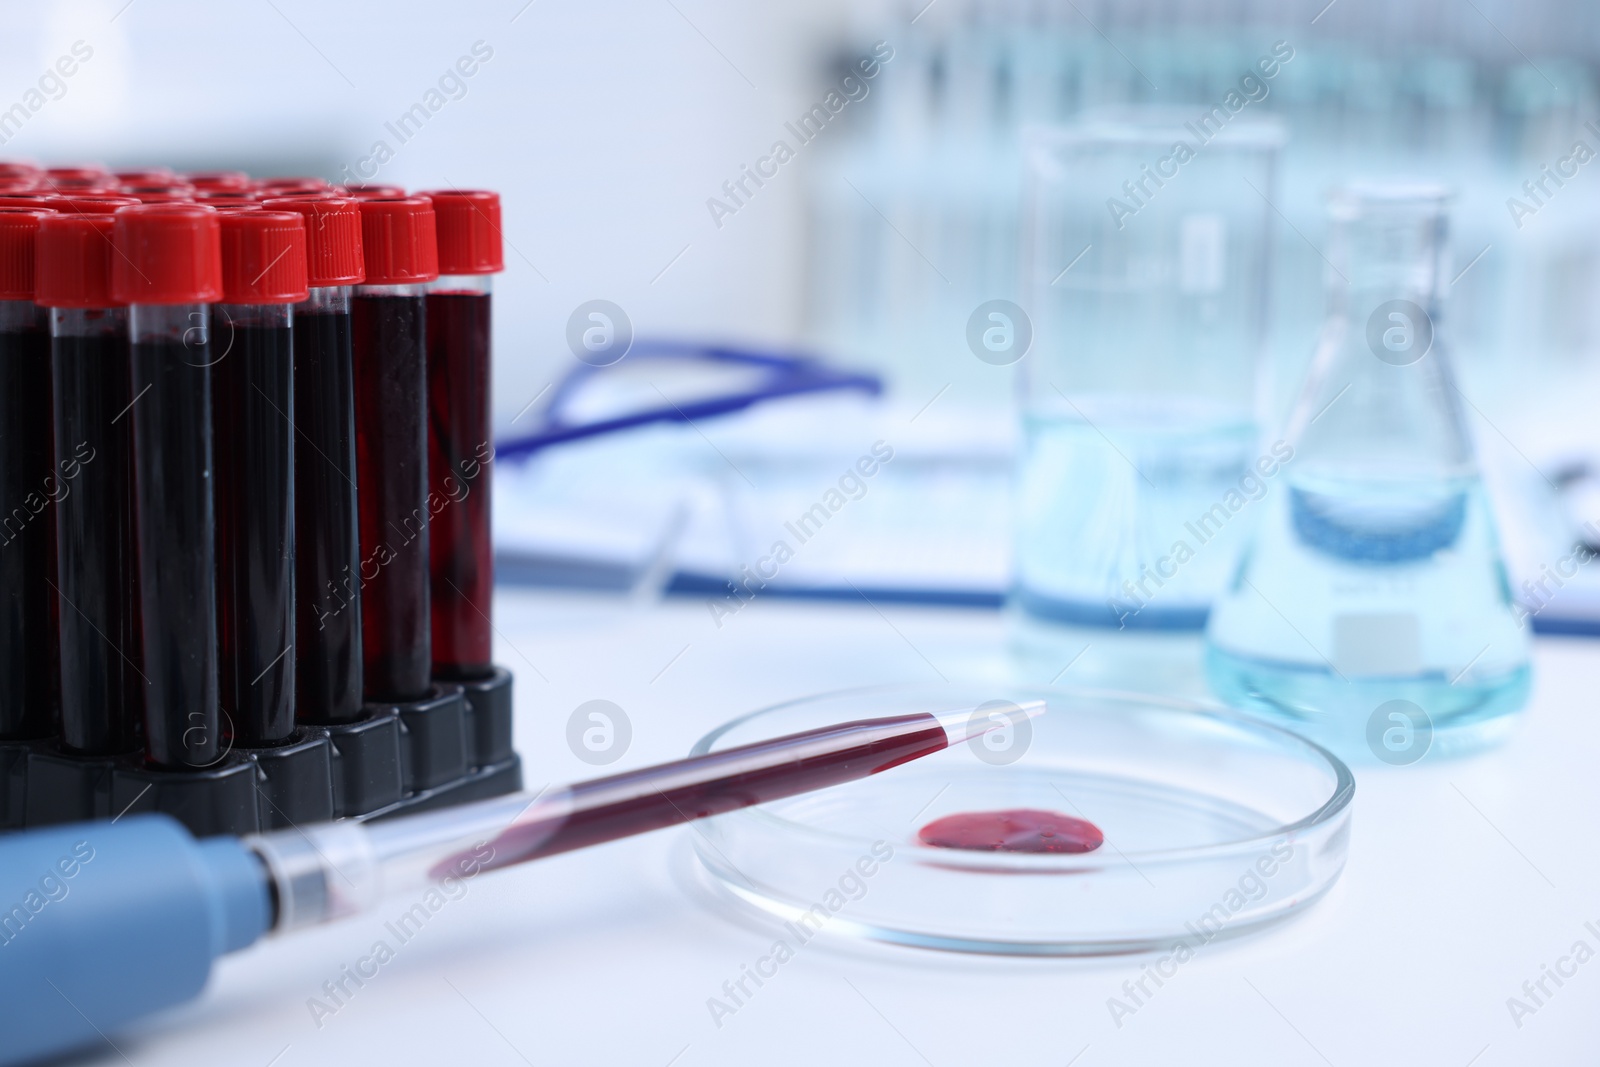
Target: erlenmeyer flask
{"points": [[1371, 607]]}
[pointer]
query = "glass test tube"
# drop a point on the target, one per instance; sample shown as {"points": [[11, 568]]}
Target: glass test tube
{"points": [[389, 342], [168, 269], [28, 487], [263, 276], [102, 685], [328, 676], [460, 448]]}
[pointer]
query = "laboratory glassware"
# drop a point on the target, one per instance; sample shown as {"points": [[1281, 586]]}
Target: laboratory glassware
{"points": [[1372, 608], [1146, 266]]}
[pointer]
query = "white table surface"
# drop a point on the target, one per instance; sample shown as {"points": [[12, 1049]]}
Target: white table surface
{"points": [[1464, 879]]}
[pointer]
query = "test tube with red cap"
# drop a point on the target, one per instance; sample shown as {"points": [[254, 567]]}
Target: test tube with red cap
{"points": [[218, 197], [87, 178], [459, 439], [102, 689], [252, 402], [368, 190], [95, 203], [159, 193], [46, 200], [388, 314], [28, 485], [293, 186], [217, 180], [167, 267], [328, 676], [16, 170], [145, 176]]}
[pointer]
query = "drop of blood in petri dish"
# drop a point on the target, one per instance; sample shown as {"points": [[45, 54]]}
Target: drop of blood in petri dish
{"points": [[1012, 830]]}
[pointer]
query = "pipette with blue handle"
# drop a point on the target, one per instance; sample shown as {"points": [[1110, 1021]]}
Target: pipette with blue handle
{"points": [[103, 923]]}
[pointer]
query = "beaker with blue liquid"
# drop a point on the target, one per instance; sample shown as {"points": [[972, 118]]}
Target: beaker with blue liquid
{"points": [[1146, 266], [1374, 593]]}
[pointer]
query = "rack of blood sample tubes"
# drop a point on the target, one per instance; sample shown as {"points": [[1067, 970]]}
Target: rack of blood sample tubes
{"points": [[245, 457]]}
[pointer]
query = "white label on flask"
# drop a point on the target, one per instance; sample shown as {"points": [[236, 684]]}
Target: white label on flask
{"points": [[1202, 253], [1377, 645]]}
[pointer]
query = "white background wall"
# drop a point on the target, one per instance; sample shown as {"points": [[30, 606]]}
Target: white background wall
{"points": [[605, 123]]}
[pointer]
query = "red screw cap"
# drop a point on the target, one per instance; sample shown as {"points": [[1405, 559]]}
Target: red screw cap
{"points": [[230, 206], [167, 254], [263, 257], [333, 238], [94, 204], [398, 240], [19, 228], [19, 169], [293, 186], [217, 180], [87, 179], [469, 231], [74, 261], [223, 196], [159, 194], [145, 176], [367, 190], [45, 200]]}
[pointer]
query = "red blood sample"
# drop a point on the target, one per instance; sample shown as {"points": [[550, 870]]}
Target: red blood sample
{"points": [[1012, 830], [102, 688], [635, 802], [328, 678], [460, 449], [389, 343], [263, 273], [28, 484], [168, 268]]}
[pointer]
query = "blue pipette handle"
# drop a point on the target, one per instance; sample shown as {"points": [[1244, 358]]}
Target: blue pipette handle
{"points": [[102, 923]]}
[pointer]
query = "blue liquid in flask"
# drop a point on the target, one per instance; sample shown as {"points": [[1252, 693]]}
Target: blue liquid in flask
{"points": [[1376, 575]]}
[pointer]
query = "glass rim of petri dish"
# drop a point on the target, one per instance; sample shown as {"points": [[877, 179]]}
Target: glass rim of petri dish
{"points": [[1192, 797]]}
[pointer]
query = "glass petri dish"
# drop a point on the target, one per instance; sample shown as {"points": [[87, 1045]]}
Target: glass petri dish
{"points": [[1214, 824]]}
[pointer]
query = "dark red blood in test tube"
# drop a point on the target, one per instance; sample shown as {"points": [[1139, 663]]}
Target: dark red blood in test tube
{"points": [[102, 684], [263, 274], [168, 269], [1012, 830], [459, 440], [389, 340], [28, 683], [328, 678], [459, 451]]}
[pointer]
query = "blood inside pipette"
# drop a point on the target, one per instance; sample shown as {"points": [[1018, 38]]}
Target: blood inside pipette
{"points": [[635, 802], [1012, 830], [716, 782]]}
